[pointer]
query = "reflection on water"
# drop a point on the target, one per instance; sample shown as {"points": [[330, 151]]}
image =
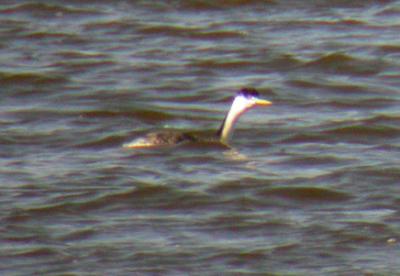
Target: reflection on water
{"points": [[235, 155]]}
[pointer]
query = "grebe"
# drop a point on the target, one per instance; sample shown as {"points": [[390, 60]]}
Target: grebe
{"points": [[245, 99]]}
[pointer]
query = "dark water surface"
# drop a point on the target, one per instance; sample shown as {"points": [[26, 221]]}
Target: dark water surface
{"points": [[312, 186]]}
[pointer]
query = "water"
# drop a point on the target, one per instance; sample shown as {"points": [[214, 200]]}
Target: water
{"points": [[311, 186]]}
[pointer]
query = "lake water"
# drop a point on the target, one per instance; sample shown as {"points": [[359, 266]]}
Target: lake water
{"points": [[311, 185]]}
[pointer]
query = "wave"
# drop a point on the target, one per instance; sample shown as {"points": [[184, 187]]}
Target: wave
{"points": [[144, 196], [188, 32], [363, 132], [344, 64], [306, 194], [30, 78], [141, 115], [355, 133], [207, 5], [43, 10]]}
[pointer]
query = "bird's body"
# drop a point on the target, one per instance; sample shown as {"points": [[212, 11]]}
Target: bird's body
{"points": [[163, 138], [244, 100]]}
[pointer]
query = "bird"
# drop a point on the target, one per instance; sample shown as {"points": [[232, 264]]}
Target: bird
{"points": [[244, 100]]}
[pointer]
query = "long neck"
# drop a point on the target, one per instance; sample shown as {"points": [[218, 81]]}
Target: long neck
{"points": [[226, 130]]}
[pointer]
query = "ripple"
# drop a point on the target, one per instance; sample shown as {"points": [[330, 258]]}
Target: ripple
{"points": [[31, 79], [344, 64], [43, 10], [149, 116], [306, 194], [144, 197], [325, 85], [314, 161], [102, 142], [195, 5], [187, 32], [255, 62], [78, 235], [363, 133], [37, 252]]}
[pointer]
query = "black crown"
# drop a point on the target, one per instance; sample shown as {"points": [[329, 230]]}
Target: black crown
{"points": [[248, 92]]}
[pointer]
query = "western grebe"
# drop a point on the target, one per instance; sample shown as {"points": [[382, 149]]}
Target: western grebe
{"points": [[245, 99]]}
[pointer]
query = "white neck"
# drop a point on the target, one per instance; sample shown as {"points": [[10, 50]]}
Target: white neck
{"points": [[238, 107]]}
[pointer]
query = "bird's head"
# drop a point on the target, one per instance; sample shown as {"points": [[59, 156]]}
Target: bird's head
{"points": [[247, 98]]}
